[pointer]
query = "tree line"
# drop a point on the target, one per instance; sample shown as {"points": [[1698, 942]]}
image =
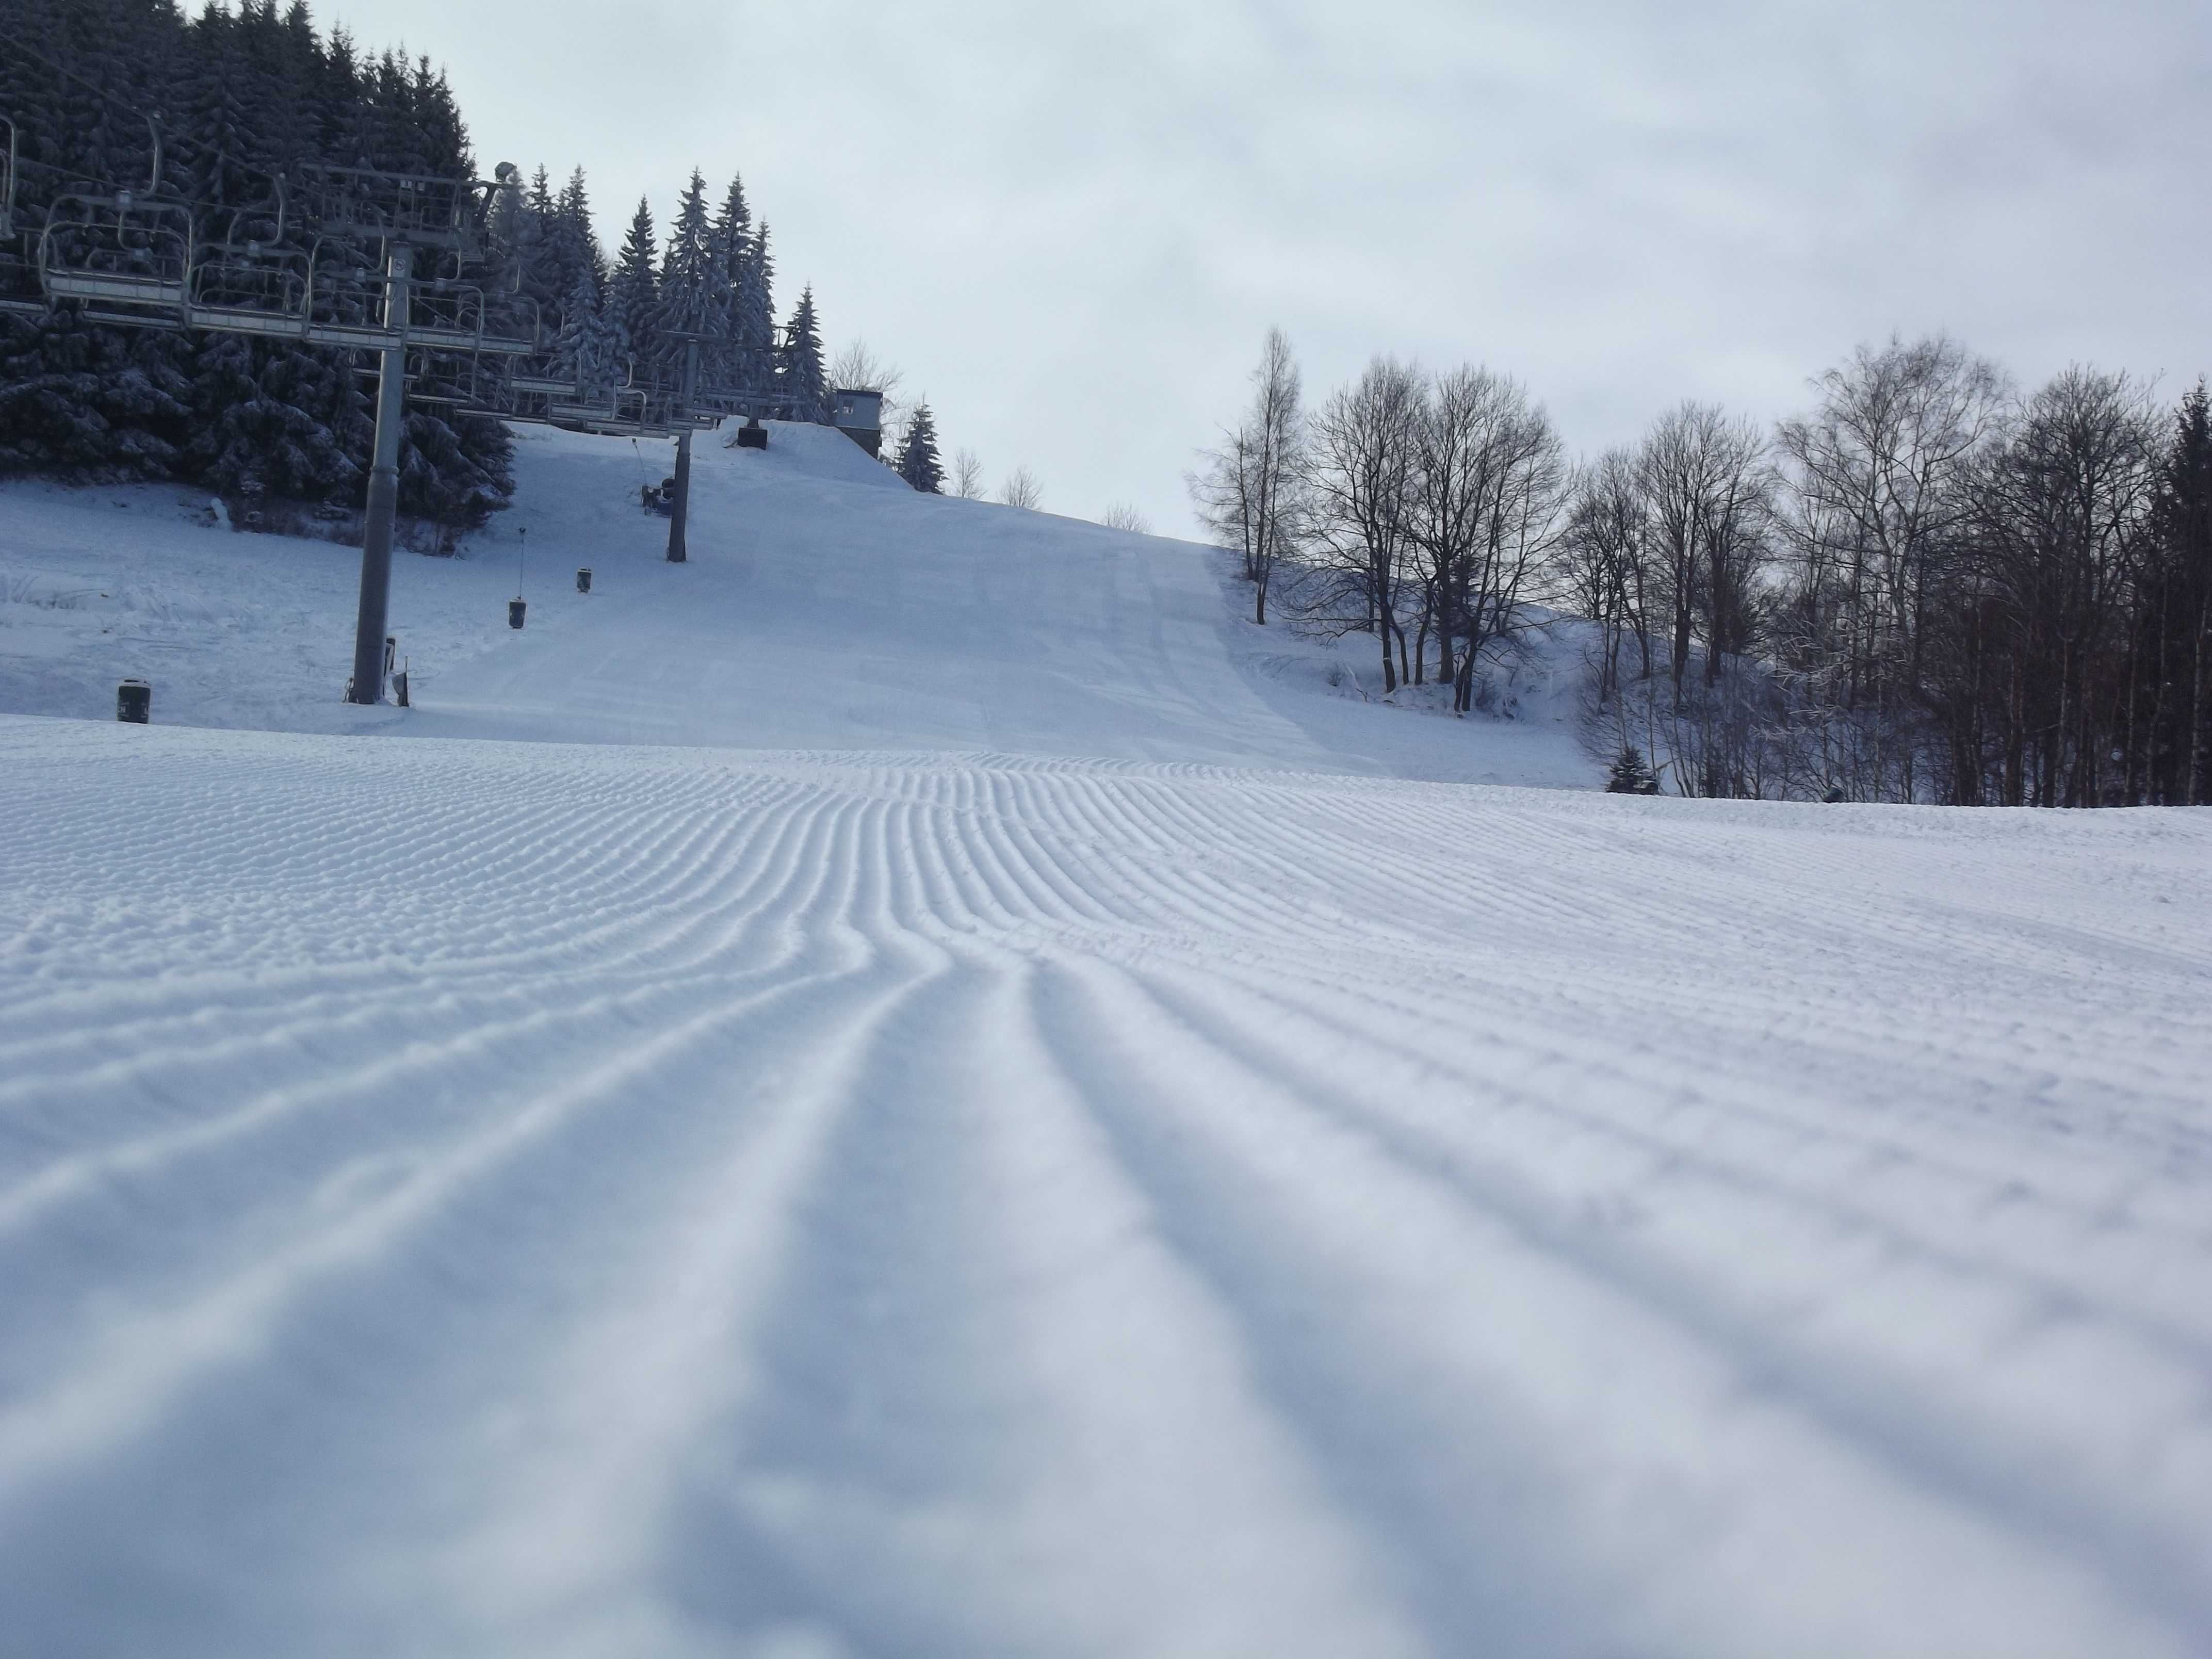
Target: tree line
{"points": [[1931, 585], [703, 305]]}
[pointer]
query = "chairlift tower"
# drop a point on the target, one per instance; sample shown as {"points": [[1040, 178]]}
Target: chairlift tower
{"points": [[679, 510], [293, 267], [375, 608]]}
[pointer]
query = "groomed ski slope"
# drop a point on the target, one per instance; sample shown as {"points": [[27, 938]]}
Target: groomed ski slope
{"points": [[583, 1197]]}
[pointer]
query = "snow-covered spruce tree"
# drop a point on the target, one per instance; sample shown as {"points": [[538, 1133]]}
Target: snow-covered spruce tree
{"points": [[632, 292], [801, 378], [277, 421], [578, 242], [583, 348], [1631, 775], [721, 364], [524, 230], [753, 307], [80, 402], [443, 477], [691, 294], [917, 463]]}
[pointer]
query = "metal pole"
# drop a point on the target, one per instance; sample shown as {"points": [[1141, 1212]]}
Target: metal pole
{"points": [[383, 484], [680, 510]]}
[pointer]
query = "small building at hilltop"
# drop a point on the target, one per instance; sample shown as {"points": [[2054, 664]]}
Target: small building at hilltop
{"points": [[860, 416]]}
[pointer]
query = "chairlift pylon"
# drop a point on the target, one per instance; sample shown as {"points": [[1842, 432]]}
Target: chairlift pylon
{"points": [[8, 182]]}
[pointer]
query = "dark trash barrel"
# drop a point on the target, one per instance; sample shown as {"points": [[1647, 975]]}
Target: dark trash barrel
{"points": [[515, 610], [134, 701], [584, 579]]}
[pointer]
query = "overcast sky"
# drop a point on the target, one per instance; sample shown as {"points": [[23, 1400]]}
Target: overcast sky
{"points": [[1070, 224]]}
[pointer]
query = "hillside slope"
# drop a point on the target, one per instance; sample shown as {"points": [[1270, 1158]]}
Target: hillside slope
{"points": [[824, 606]]}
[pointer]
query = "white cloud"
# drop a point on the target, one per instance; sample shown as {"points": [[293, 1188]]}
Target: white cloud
{"points": [[1074, 223]]}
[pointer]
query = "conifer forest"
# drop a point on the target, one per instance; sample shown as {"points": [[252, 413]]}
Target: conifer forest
{"points": [[221, 116]]}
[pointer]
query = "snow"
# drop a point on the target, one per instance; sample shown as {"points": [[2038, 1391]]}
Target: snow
{"points": [[914, 1086], [825, 606]]}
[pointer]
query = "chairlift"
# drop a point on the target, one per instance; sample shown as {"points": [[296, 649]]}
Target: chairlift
{"points": [[119, 250], [258, 226], [251, 288], [581, 414], [346, 298], [462, 379], [447, 314], [540, 378]]}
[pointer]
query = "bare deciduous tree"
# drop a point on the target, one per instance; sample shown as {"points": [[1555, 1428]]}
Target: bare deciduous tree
{"points": [[968, 476], [1123, 516], [1879, 487], [1022, 490], [1600, 568], [1364, 452], [1250, 492], [1490, 483], [2064, 513], [857, 368], [1705, 483]]}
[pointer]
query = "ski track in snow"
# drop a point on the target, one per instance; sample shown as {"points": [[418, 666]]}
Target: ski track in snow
{"points": [[471, 1197]]}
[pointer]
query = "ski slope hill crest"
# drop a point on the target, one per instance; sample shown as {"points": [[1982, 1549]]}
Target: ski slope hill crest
{"points": [[824, 605]]}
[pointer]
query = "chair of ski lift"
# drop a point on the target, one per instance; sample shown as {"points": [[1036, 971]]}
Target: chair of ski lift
{"points": [[447, 314], [119, 250], [436, 376], [345, 297], [538, 375], [579, 412], [514, 327], [250, 283]]}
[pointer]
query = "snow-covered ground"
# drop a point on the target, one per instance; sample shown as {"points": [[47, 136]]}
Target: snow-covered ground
{"points": [[825, 605], [1046, 1128]]}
